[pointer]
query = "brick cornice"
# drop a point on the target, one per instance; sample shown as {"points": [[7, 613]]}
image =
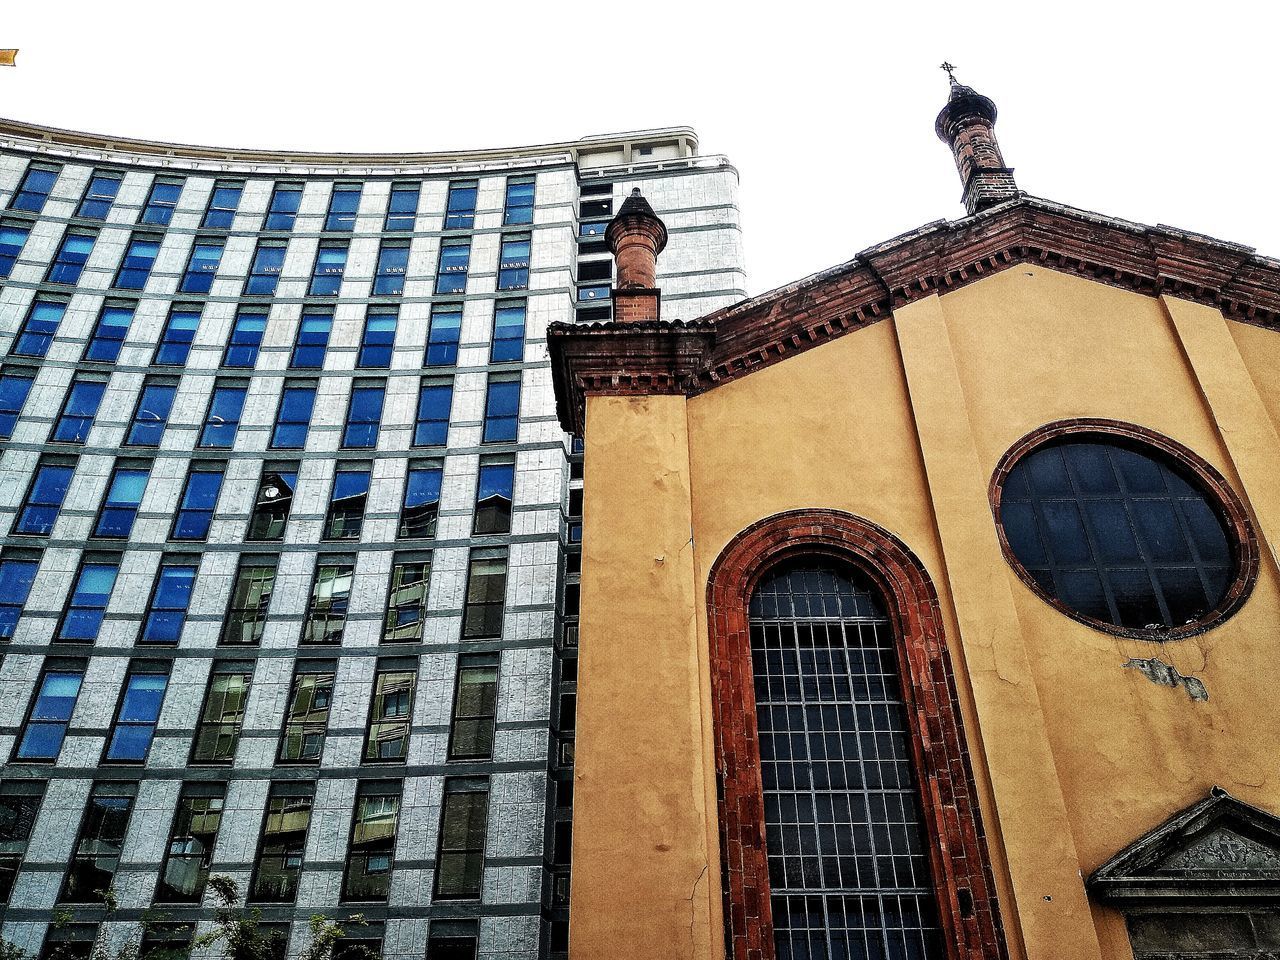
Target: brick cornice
{"points": [[690, 358]]}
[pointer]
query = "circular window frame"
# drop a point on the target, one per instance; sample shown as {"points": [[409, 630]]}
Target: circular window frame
{"points": [[1222, 498]]}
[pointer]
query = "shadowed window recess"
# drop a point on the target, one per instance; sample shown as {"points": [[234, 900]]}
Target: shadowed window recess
{"points": [[191, 840], [273, 502], [218, 731], [421, 501], [19, 807], [494, 493], [284, 840], [464, 822], [96, 854], [371, 853], [475, 707], [347, 504], [486, 593], [250, 599]]}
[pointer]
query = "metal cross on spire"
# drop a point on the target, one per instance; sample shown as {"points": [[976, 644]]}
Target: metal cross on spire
{"points": [[950, 68]]}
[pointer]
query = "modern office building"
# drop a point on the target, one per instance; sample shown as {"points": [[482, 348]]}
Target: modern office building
{"points": [[289, 532]]}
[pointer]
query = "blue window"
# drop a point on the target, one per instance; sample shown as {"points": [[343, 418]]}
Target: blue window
{"points": [[110, 333], [519, 207], [199, 496], [455, 258], [34, 189], [170, 601], [294, 417], [402, 211], [223, 203], [494, 495], [162, 201], [508, 332], [47, 725], [139, 710], [99, 196], [246, 337], [593, 293], [15, 384], [264, 274], [432, 425], [312, 339], [379, 338], [285, 200], [71, 257], [152, 414], [44, 500], [513, 263], [88, 604], [343, 204], [421, 502], [442, 338], [13, 236], [502, 411], [78, 411], [38, 329], [595, 229], [223, 418], [393, 264], [364, 415], [346, 505], [124, 496], [460, 214], [206, 254], [17, 574], [139, 258], [331, 264], [179, 333]]}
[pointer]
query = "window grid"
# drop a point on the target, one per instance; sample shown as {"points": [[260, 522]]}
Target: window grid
{"points": [[250, 600]]}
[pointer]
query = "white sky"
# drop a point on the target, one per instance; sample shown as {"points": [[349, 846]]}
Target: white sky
{"points": [[1134, 110]]}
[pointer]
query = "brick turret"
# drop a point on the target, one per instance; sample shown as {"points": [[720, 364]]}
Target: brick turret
{"points": [[636, 236], [967, 125]]}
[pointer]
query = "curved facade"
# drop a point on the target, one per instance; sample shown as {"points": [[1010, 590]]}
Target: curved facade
{"points": [[289, 531]]}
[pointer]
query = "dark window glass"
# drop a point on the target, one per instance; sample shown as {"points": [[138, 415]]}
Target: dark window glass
{"points": [[138, 260], [167, 939], [195, 831], [379, 338], [35, 188], [293, 419], [124, 497], [155, 402], [389, 716], [513, 263], [284, 840], [15, 385], [460, 213], [373, 843], [474, 708], [508, 332], [71, 257], [464, 821], [17, 574], [109, 333], [179, 332], [274, 501], [246, 338], [393, 264], [486, 594], [206, 254], [444, 334], [519, 206], [402, 210], [219, 729], [285, 200], [99, 196], [162, 201], [39, 327], [494, 494], [407, 601], [431, 427], [502, 411], [330, 597], [250, 600], [44, 500], [455, 259], [364, 415], [170, 600], [13, 237], [199, 497], [421, 502], [346, 506], [307, 717], [19, 806], [223, 204], [46, 725], [136, 721], [88, 603], [331, 264], [264, 273], [453, 940], [97, 851], [343, 204], [312, 340], [223, 418], [78, 411], [593, 271], [595, 208]]}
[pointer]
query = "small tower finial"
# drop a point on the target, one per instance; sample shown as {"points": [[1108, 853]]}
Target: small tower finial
{"points": [[636, 235], [967, 125], [951, 70]]}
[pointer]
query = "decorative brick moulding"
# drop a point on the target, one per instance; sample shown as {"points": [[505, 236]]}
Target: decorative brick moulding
{"points": [[1244, 542], [958, 854]]}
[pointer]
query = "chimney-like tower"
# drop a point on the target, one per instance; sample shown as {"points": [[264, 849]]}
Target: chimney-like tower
{"points": [[967, 125], [636, 236]]}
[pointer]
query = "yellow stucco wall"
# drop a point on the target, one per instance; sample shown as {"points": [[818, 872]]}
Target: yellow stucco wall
{"points": [[903, 423]]}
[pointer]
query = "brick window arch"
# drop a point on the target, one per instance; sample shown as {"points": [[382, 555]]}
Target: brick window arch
{"points": [[958, 858]]}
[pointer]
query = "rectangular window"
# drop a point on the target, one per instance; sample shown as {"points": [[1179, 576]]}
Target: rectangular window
{"points": [[330, 597], [89, 598], [71, 256], [364, 415], [346, 506], [219, 729], [513, 263], [373, 843], [595, 229], [35, 188], [99, 195], [378, 339], [460, 213], [170, 599], [594, 271], [15, 385], [312, 339], [97, 851], [475, 707], [390, 713], [199, 497], [17, 574], [124, 497], [590, 209], [162, 201], [402, 211], [421, 502], [455, 259], [431, 427], [78, 410], [393, 264], [284, 841], [331, 264], [250, 600], [453, 940], [274, 501], [13, 237], [307, 717], [246, 338], [139, 258], [138, 714], [19, 806], [179, 333], [39, 327], [285, 200], [110, 332], [444, 335], [494, 494], [464, 821], [293, 418], [407, 602], [223, 204], [222, 420], [44, 499], [502, 410], [519, 206], [151, 415], [264, 273], [343, 204], [206, 254], [191, 841], [486, 594], [508, 332], [46, 725]]}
